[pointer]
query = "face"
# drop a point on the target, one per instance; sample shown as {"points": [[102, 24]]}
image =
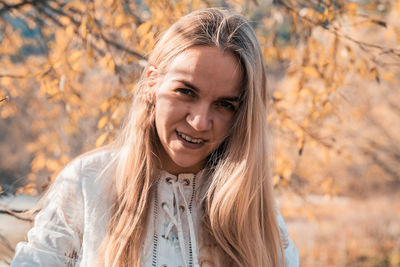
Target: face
{"points": [[195, 103]]}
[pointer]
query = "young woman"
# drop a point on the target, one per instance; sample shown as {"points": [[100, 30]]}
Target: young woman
{"points": [[187, 183]]}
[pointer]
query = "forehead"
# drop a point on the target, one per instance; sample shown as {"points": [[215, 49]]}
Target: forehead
{"points": [[208, 69]]}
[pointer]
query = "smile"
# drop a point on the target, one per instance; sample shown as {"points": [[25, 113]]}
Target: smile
{"points": [[190, 139]]}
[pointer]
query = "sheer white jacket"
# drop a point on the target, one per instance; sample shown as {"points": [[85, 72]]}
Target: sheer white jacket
{"points": [[72, 224]]}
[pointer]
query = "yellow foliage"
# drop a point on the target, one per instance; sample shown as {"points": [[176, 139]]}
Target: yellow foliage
{"points": [[70, 31], [75, 55], [70, 128], [101, 139], [64, 159], [32, 176], [144, 28], [311, 71], [389, 76], [306, 92], [52, 165], [310, 216], [326, 109], [109, 3], [28, 189], [107, 62], [77, 5], [275, 180], [49, 87], [102, 122], [120, 19], [8, 111], [65, 20], [278, 96], [398, 7], [126, 33], [315, 114], [287, 173], [74, 100], [89, 58], [6, 81], [109, 34], [83, 27], [104, 106], [352, 8], [77, 66], [38, 162]]}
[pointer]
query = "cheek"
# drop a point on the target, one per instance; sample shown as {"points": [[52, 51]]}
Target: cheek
{"points": [[160, 121], [161, 108], [223, 125], [167, 115]]}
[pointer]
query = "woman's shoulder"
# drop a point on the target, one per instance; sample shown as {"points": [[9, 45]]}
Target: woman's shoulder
{"points": [[87, 168], [89, 177], [91, 162], [96, 158]]}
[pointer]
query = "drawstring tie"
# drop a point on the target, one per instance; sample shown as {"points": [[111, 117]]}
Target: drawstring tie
{"points": [[175, 221]]}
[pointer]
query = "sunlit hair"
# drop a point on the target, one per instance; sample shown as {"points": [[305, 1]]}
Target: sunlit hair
{"points": [[239, 210]]}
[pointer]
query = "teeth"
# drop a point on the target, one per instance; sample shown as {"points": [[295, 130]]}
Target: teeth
{"points": [[192, 140]]}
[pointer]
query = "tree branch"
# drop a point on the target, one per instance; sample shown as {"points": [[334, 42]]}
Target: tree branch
{"points": [[123, 48], [386, 50], [12, 76], [43, 8], [14, 213], [4, 99], [6, 243], [8, 7]]}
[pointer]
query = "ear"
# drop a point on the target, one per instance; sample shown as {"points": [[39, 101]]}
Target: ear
{"points": [[151, 75]]}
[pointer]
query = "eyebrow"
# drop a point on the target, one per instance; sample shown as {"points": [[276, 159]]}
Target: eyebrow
{"points": [[194, 88]]}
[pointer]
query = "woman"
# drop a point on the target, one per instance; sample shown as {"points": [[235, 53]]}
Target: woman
{"points": [[187, 183]]}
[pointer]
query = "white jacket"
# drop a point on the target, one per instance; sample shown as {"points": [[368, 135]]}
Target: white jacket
{"points": [[73, 222]]}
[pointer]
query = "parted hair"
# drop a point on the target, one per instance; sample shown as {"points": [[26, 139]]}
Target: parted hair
{"points": [[239, 209]]}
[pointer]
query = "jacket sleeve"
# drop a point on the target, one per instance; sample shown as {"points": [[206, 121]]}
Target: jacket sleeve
{"points": [[55, 239], [291, 254]]}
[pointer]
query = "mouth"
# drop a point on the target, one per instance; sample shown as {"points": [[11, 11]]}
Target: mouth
{"points": [[190, 139]]}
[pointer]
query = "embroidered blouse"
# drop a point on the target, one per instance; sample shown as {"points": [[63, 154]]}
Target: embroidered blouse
{"points": [[72, 223]]}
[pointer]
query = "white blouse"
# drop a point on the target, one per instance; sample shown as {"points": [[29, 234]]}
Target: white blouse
{"points": [[72, 224]]}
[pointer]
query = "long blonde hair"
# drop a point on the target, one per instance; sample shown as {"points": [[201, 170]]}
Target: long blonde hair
{"points": [[239, 209]]}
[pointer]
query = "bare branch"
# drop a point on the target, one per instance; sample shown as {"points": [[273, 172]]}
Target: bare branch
{"points": [[382, 164], [52, 18], [14, 213], [123, 48], [6, 243], [8, 7], [62, 13], [4, 99], [129, 10], [13, 76], [361, 44], [53, 15]]}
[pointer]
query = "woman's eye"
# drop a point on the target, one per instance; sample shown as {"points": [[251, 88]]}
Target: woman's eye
{"points": [[185, 91], [227, 105]]}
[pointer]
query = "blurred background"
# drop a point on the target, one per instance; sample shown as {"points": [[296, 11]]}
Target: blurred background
{"points": [[68, 69]]}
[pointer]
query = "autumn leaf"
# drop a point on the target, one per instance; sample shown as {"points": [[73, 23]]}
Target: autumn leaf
{"points": [[102, 122], [101, 139]]}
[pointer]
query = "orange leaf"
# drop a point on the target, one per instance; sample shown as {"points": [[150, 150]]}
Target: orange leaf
{"points": [[101, 139], [102, 122], [52, 165], [144, 28], [311, 71]]}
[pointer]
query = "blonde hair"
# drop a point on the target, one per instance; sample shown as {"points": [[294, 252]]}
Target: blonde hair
{"points": [[239, 209]]}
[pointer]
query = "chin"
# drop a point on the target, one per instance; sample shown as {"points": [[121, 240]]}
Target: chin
{"points": [[188, 166]]}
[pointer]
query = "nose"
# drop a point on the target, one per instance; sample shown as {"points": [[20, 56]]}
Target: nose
{"points": [[199, 117]]}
